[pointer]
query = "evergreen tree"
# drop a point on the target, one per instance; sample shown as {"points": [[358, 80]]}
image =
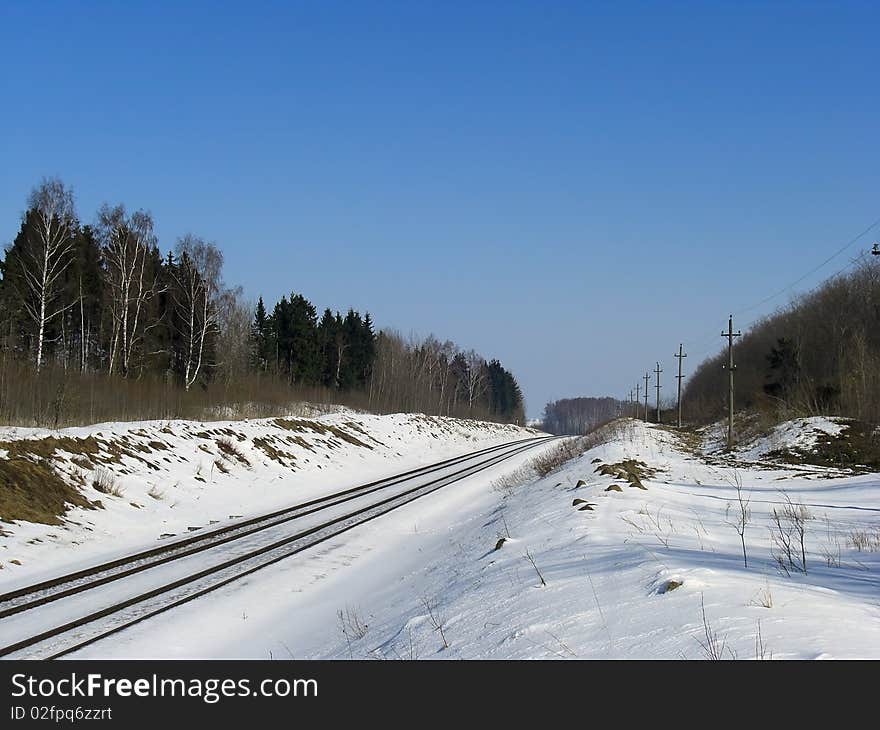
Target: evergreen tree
{"points": [[784, 369], [262, 347], [84, 289], [296, 332], [327, 349], [368, 349], [353, 365], [504, 394]]}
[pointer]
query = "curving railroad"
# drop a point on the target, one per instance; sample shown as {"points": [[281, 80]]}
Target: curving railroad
{"points": [[56, 617]]}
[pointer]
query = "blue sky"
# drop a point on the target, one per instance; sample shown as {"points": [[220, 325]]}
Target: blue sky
{"points": [[574, 188]]}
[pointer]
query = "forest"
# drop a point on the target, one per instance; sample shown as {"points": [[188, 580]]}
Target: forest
{"points": [[97, 323], [581, 415], [820, 355]]}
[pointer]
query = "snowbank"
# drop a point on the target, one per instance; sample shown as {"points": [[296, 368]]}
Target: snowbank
{"points": [[155, 479]]}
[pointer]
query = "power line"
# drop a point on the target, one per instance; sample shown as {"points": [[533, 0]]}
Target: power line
{"points": [[705, 344], [813, 270]]}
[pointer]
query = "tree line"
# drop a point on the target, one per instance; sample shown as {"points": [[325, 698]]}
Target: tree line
{"points": [[818, 355], [580, 415], [100, 302]]}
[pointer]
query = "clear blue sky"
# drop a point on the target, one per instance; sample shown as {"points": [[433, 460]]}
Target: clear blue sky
{"points": [[574, 188]]}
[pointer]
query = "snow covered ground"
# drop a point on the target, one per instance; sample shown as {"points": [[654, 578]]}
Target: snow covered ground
{"points": [[636, 573], [590, 566], [169, 478]]}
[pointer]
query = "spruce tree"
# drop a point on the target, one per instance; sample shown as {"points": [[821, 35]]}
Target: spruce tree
{"points": [[260, 338]]}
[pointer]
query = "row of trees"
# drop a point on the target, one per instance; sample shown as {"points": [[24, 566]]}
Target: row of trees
{"points": [[101, 299], [819, 355], [581, 415], [431, 376]]}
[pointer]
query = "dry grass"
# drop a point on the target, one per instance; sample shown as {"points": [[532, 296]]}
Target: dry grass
{"points": [[57, 398], [266, 445], [31, 490], [230, 451], [104, 482], [865, 540], [572, 448]]}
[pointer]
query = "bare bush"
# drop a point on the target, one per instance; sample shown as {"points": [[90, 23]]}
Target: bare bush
{"points": [[156, 493], [788, 532], [104, 482], [230, 450], [352, 626], [761, 651], [528, 556], [763, 597], [712, 645], [436, 618], [865, 541], [742, 515]]}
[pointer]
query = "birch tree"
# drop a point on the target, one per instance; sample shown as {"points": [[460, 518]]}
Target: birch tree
{"points": [[48, 252], [127, 241], [445, 357], [234, 316], [198, 283], [475, 377]]}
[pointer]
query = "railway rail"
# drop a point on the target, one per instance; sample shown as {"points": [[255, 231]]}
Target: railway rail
{"points": [[86, 606]]}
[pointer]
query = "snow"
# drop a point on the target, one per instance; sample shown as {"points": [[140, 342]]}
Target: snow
{"points": [[798, 434], [426, 582], [176, 485]]}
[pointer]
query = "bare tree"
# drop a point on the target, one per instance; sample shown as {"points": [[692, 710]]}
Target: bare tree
{"points": [[475, 377], [234, 314], [47, 254], [789, 537], [742, 514], [127, 241], [528, 556], [446, 353], [198, 282]]}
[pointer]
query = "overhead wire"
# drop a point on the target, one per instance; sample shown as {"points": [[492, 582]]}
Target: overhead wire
{"points": [[704, 344]]}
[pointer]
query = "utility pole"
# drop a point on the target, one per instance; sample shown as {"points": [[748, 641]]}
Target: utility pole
{"points": [[680, 357], [657, 371], [647, 377], [730, 334], [638, 397]]}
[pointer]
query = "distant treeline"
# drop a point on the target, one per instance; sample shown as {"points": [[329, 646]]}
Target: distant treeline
{"points": [[819, 355], [96, 307], [580, 415]]}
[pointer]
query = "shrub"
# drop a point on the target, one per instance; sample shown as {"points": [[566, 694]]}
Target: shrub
{"points": [[104, 482]]}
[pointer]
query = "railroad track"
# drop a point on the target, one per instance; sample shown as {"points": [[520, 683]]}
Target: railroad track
{"points": [[136, 587]]}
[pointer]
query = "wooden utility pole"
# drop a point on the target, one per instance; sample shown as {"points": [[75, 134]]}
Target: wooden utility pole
{"points": [[647, 377], [657, 372], [680, 357], [638, 397], [730, 334]]}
